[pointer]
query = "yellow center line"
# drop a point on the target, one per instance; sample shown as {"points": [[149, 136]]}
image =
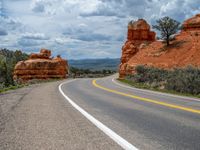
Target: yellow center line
{"points": [[147, 99]]}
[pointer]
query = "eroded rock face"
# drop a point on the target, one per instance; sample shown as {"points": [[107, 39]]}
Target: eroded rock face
{"points": [[41, 66], [192, 23], [138, 33]]}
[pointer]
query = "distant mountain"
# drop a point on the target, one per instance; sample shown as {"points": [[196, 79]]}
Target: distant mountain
{"points": [[96, 64]]}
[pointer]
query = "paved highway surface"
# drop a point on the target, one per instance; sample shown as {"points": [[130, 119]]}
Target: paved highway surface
{"points": [[148, 120], [39, 117]]}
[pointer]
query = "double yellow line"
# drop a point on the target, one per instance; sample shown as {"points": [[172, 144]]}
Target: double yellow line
{"points": [[147, 99]]}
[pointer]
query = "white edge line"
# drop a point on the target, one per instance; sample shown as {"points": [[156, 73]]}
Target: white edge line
{"points": [[119, 140], [126, 86]]}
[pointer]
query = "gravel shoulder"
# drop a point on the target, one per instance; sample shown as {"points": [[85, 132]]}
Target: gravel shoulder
{"points": [[38, 117]]}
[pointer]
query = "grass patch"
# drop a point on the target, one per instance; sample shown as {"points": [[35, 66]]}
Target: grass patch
{"points": [[12, 87], [31, 82]]}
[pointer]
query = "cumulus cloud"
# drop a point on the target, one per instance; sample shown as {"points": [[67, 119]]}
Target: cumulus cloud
{"points": [[61, 6], [3, 32], [94, 37], [29, 42], [35, 36], [84, 33], [106, 8], [38, 7], [10, 24], [64, 40], [81, 29], [32, 39]]}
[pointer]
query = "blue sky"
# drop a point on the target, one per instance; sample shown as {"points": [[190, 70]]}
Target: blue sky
{"points": [[79, 29]]}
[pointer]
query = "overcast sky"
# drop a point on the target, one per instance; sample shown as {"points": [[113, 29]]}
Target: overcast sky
{"points": [[79, 29]]}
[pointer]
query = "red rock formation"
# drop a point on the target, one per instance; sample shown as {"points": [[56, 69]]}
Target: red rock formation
{"points": [[41, 66], [183, 51], [138, 33], [44, 54], [192, 23]]}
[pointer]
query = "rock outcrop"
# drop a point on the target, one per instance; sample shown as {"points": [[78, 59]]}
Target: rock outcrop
{"points": [[41, 66], [183, 51], [192, 23], [138, 33]]}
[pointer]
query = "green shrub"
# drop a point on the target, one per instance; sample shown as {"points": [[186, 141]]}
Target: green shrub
{"points": [[8, 59], [150, 74], [185, 80]]}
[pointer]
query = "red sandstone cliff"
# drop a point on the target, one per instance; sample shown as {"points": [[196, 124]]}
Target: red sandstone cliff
{"points": [[41, 66], [183, 51], [138, 33]]}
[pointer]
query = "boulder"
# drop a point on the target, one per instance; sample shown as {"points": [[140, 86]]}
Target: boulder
{"points": [[41, 66]]}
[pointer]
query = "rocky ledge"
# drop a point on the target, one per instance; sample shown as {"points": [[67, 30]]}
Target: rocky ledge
{"points": [[41, 66]]}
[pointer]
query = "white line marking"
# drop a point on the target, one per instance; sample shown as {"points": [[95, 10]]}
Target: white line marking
{"points": [[119, 140], [165, 94]]}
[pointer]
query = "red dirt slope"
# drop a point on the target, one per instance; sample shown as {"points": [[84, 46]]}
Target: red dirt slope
{"points": [[183, 51]]}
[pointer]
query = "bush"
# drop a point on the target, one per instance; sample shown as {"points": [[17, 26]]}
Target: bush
{"points": [[150, 74], [185, 80], [8, 59]]}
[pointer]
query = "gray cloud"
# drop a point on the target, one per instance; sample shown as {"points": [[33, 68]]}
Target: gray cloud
{"points": [[39, 7], [29, 42], [35, 36], [83, 33], [120, 8], [107, 8], [32, 39], [76, 28], [94, 37], [3, 32], [10, 24]]}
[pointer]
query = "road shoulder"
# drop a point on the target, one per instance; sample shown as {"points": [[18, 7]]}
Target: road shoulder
{"points": [[40, 118]]}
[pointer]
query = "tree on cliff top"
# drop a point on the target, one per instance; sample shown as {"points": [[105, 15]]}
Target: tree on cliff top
{"points": [[167, 27]]}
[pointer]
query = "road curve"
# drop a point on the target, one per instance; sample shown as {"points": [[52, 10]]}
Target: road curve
{"points": [[148, 120], [39, 118]]}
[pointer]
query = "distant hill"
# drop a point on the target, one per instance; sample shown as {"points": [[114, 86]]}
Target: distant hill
{"points": [[96, 64]]}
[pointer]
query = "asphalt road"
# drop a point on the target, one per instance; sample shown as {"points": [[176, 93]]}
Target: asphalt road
{"points": [[147, 120], [39, 117]]}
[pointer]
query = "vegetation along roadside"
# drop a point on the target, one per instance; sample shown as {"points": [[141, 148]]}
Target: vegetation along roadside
{"points": [[181, 81]]}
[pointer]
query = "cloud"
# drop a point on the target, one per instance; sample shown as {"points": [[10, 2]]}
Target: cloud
{"points": [[3, 32], [10, 24], [29, 42], [105, 8], [64, 40], [38, 7], [60, 6], [83, 33], [1, 8], [35, 36], [118, 8], [32, 39], [94, 37], [81, 28]]}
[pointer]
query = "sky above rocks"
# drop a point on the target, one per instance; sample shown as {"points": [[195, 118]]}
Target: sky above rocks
{"points": [[79, 29]]}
